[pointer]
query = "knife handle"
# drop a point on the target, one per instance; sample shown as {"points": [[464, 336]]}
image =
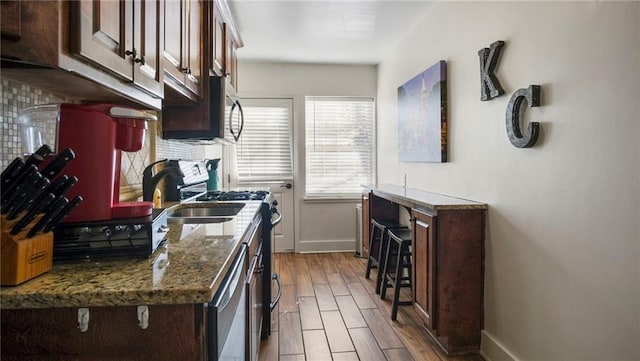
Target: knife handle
{"points": [[29, 171], [75, 202], [52, 211], [34, 195], [59, 162], [39, 155], [64, 188], [11, 171], [17, 197], [24, 221]]}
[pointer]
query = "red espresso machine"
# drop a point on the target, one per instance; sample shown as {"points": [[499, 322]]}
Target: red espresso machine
{"points": [[102, 226]]}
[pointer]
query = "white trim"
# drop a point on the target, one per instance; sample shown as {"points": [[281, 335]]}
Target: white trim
{"points": [[323, 246], [492, 350]]}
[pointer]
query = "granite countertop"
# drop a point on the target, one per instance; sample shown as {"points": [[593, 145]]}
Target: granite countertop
{"points": [[422, 199], [187, 269]]}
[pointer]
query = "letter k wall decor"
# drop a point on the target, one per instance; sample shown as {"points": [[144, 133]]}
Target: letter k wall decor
{"points": [[489, 85]]}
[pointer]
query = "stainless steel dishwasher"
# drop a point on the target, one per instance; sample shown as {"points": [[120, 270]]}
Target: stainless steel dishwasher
{"points": [[227, 314]]}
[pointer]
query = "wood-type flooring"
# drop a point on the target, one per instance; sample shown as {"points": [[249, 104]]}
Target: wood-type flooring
{"points": [[330, 312]]}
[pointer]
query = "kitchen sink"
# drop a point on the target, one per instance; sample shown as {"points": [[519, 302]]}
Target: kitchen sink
{"points": [[204, 212]]}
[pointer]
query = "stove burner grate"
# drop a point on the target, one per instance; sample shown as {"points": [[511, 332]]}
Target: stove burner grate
{"points": [[233, 196]]}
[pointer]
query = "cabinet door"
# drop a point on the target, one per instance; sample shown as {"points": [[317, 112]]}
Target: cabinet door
{"points": [[174, 31], [10, 20], [194, 41], [147, 72], [104, 35], [230, 62], [424, 266], [174, 332], [182, 47], [218, 42]]}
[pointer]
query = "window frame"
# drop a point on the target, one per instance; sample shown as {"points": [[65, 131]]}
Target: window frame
{"points": [[340, 197]]}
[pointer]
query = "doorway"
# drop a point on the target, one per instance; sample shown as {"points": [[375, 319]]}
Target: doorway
{"points": [[263, 158]]}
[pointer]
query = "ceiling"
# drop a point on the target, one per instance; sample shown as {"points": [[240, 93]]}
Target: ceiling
{"points": [[323, 31]]}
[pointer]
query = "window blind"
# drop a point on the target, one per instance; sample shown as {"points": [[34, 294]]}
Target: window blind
{"points": [[339, 145], [264, 148]]}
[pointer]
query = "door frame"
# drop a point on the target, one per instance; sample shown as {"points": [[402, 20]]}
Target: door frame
{"points": [[297, 192]]}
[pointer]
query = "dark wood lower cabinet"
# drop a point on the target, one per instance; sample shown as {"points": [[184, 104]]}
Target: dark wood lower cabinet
{"points": [[424, 266], [175, 332], [449, 274], [447, 261]]}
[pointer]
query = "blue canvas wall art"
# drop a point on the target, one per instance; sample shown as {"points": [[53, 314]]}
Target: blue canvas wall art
{"points": [[422, 116]]}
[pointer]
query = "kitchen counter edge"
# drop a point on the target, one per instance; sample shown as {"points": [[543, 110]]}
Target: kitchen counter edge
{"points": [[185, 270]]}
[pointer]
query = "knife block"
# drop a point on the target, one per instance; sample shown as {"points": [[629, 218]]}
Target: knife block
{"points": [[24, 258]]}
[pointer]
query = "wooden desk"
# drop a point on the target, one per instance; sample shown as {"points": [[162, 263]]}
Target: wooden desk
{"points": [[448, 260]]}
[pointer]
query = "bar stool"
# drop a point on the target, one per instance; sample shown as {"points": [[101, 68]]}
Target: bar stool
{"points": [[377, 247], [398, 261]]}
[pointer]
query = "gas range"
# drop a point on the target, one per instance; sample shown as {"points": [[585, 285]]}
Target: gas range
{"points": [[233, 196]]}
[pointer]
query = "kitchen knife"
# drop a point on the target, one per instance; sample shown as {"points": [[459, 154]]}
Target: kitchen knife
{"points": [[64, 188], [40, 154], [31, 215], [31, 199], [9, 174], [58, 188], [24, 173], [15, 197], [59, 162], [53, 210], [64, 213], [57, 184]]}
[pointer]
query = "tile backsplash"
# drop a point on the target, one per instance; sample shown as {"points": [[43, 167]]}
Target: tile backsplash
{"points": [[17, 96]]}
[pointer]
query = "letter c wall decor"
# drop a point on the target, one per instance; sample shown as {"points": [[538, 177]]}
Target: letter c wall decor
{"points": [[514, 117]]}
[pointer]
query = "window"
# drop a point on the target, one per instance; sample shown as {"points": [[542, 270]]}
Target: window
{"points": [[264, 148], [339, 146]]}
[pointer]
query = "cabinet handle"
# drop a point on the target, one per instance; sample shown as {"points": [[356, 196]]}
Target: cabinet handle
{"points": [[186, 70], [83, 319], [139, 60], [143, 316], [130, 53]]}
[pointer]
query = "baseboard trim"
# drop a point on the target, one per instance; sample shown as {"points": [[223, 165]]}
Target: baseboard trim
{"points": [[492, 350], [347, 245]]}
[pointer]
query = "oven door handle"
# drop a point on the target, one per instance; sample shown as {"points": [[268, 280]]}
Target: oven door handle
{"points": [[275, 302], [277, 220], [230, 287]]}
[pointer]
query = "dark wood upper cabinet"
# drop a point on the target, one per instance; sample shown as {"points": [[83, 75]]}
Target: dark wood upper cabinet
{"points": [[121, 37], [183, 38], [231, 64], [10, 19], [218, 42], [104, 35], [185, 116], [148, 42], [78, 49]]}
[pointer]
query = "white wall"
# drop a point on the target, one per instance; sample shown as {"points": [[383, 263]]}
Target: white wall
{"points": [[562, 278], [320, 226]]}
